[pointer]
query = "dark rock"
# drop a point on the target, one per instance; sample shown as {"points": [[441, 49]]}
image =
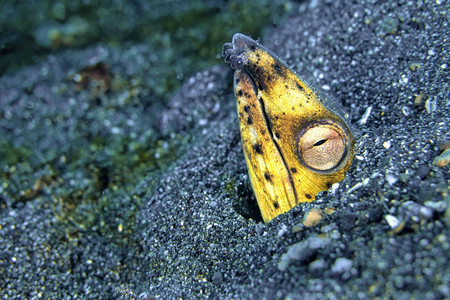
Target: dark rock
{"points": [[217, 278], [422, 172]]}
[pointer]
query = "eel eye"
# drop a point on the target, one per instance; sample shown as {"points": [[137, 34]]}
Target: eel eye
{"points": [[323, 146]]}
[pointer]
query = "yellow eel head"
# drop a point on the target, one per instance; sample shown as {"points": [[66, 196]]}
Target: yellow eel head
{"points": [[295, 142]]}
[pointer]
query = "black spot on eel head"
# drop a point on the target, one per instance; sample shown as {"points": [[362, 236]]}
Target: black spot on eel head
{"points": [[258, 149]]}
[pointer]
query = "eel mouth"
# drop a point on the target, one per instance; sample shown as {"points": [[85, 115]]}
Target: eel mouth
{"points": [[235, 53]]}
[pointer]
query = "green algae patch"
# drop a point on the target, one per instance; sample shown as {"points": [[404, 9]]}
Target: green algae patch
{"points": [[89, 191], [11, 154], [184, 37]]}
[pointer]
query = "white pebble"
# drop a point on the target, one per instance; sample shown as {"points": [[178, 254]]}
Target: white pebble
{"points": [[342, 265], [355, 187], [319, 264], [365, 116], [282, 231], [391, 179], [430, 105], [392, 221], [334, 187], [439, 206]]}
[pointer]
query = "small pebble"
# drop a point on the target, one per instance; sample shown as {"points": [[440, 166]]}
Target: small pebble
{"points": [[217, 278], [317, 265], [426, 212], [284, 262], [355, 187], [303, 251], [422, 172], [445, 290], [342, 265], [335, 234], [329, 210], [438, 206], [430, 105], [334, 187], [414, 66], [392, 221], [298, 227], [443, 145], [315, 243], [391, 179], [443, 159], [419, 99], [313, 217], [282, 231], [327, 228], [299, 251], [365, 116]]}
